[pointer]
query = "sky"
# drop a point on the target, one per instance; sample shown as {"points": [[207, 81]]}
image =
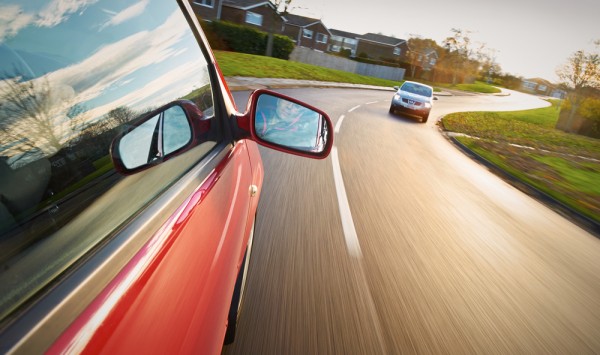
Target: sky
{"points": [[530, 38]]}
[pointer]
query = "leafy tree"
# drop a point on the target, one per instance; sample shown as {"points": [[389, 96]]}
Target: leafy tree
{"points": [[417, 48], [579, 73], [462, 59]]}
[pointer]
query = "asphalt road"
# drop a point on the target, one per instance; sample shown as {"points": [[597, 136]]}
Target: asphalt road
{"points": [[433, 254]]}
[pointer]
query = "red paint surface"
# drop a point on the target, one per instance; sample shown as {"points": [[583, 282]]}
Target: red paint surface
{"points": [[174, 295]]}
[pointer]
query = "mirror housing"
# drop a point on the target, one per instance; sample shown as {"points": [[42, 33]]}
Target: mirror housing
{"points": [[288, 125], [158, 136]]}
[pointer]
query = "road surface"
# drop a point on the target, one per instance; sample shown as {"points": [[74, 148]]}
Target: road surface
{"points": [[399, 243]]}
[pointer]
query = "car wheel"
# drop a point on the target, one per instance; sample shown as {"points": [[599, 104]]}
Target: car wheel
{"points": [[392, 110], [238, 295]]}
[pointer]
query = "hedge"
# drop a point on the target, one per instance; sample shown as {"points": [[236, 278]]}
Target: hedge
{"points": [[228, 36]]}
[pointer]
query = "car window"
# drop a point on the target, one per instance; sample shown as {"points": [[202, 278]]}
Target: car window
{"points": [[71, 79], [416, 89]]}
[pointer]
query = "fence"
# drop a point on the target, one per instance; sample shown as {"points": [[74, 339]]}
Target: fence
{"points": [[309, 56]]}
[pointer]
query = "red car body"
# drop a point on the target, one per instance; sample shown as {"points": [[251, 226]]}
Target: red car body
{"points": [[164, 282]]}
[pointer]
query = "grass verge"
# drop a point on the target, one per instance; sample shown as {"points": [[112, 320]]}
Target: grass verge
{"points": [[240, 64], [526, 145]]}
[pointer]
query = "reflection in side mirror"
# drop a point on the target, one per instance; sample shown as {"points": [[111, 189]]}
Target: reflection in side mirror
{"points": [[156, 138], [289, 124]]}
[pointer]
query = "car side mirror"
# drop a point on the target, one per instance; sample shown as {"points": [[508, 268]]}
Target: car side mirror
{"points": [[285, 124], [396, 88], [158, 136], [435, 97]]}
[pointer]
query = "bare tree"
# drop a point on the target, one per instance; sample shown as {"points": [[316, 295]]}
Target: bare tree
{"points": [[581, 71], [121, 115], [32, 117]]}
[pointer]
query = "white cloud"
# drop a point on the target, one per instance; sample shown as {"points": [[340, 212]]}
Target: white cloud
{"points": [[59, 10], [126, 14], [12, 20], [106, 68], [117, 60], [112, 65]]}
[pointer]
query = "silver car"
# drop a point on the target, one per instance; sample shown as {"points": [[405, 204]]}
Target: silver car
{"points": [[413, 98]]}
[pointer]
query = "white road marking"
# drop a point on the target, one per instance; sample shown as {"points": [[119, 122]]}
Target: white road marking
{"points": [[339, 124], [372, 102], [354, 108], [347, 222]]}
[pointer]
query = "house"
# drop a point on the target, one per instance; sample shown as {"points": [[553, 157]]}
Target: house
{"points": [[259, 14], [426, 58], [540, 86], [307, 32], [343, 40], [382, 47]]}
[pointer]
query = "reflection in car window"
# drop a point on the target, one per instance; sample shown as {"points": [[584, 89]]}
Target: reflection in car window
{"points": [[71, 79]]}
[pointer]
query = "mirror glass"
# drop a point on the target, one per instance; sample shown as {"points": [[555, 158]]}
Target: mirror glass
{"points": [[156, 138], [285, 123]]}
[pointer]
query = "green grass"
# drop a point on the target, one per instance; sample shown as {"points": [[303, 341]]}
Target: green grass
{"points": [[239, 64], [532, 128], [478, 86], [257, 66], [555, 166], [584, 177]]}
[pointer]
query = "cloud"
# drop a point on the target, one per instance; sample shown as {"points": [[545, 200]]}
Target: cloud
{"points": [[116, 64], [12, 20], [126, 14], [59, 10], [106, 68]]}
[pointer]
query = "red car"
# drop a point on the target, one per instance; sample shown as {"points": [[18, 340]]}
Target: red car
{"points": [[129, 182]]}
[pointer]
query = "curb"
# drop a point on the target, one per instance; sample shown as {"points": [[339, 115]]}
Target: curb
{"points": [[586, 223]]}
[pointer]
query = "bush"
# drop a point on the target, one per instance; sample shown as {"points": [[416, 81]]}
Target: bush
{"points": [[237, 38], [590, 108], [282, 47]]}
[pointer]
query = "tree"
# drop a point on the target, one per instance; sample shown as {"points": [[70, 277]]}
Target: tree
{"points": [[34, 115], [121, 115], [278, 4], [580, 72], [461, 58], [417, 49]]}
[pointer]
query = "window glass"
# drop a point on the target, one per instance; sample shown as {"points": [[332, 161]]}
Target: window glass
{"points": [[321, 38], [207, 3], [255, 19], [71, 79], [307, 33], [397, 51]]}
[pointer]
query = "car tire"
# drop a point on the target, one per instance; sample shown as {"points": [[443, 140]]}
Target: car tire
{"points": [[392, 110], [238, 294]]}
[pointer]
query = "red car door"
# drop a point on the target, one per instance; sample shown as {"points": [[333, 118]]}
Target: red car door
{"points": [[174, 294]]}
